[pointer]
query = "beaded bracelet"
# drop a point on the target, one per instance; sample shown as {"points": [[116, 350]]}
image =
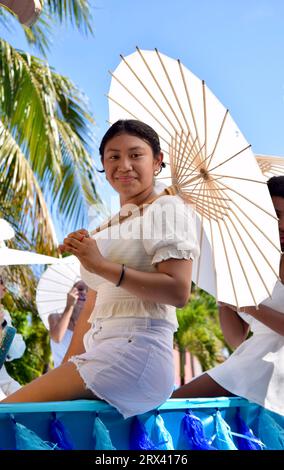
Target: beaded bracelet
{"points": [[121, 275]]}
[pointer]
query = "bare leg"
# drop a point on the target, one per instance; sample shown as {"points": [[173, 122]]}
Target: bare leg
{"points": [[202, 386], [60, 384]]}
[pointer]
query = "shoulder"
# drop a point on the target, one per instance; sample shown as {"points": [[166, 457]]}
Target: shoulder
{"points": [[170, 209], [167, 199], [168, 202]]}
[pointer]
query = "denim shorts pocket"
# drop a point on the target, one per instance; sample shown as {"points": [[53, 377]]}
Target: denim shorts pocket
{"points": [[157, 378]]}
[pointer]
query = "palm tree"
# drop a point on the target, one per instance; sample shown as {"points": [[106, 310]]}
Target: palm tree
{"points": [[199, 331], [76, 12], [45, 158], [45, 135]]}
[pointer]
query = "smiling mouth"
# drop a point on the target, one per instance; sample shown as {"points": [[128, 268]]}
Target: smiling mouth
{"points": [[126, 178]]}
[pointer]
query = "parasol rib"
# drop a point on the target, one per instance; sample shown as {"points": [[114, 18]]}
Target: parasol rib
{"points": [[189, 102], [239, 259], [227, 261], [205, 119], [247, 199], [230, 158], [218, 137]]}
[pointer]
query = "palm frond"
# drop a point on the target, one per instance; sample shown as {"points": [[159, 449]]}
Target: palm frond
{"points": [[78, 12], [75, 12], [199, 329], [18, 178], [40, 34], [46, 118], [28, 104], [6, 18]]}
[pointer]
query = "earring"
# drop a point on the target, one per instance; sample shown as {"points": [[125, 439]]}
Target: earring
{"points": [[156, 172]]}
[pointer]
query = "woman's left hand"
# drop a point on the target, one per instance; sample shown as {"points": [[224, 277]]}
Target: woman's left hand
{"points": [[84, 248]]}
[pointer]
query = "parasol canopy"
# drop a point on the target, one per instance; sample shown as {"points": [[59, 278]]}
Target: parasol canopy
{"points": [[211, 166], [54, 285], [6, 230], [9, 256], [270, 165]]}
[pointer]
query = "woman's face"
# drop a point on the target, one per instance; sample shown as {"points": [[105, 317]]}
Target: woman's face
{"points": [[129, 166]]}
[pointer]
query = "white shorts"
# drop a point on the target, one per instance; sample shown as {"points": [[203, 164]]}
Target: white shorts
{"points": [[129, 363]]}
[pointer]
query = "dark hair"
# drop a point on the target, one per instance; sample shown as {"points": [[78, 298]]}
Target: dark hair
{"points": [[80, 281], [276, 186], [132, 127]]}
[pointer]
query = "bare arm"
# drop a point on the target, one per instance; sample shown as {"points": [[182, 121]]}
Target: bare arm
{"points": [[234, 328], [170, 285], [82, 326], [269, 317], [58, 324]]}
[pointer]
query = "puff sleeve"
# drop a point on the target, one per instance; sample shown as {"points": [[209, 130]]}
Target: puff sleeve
{"points": [[169, 230]]}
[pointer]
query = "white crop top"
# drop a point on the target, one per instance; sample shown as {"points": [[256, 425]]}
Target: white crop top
{"points": [[165, 230]]}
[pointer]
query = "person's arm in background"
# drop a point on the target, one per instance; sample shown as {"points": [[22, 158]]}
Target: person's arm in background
{"points": [[234, 328], [268, 316], [58, 323], [82, 326]]}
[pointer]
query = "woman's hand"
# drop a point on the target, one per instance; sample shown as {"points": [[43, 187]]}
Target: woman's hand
{"points": [[84, 248], [72, 297]]}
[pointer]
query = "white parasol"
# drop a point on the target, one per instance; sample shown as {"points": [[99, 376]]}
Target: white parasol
{"points": [[9, 256], [6, 230], [270, 165], [210, 165], [54, 285]]}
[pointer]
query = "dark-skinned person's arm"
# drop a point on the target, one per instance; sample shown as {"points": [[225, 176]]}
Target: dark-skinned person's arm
{"points": [[234, 328], [268, 316]]}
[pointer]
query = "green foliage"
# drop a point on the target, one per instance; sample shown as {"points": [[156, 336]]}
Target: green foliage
{"points": [[199, 330], [76, 13], [35, 360], [46, 134]]}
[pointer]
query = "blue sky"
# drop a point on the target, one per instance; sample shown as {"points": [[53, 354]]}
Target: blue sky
{"points": [[236, 46]]}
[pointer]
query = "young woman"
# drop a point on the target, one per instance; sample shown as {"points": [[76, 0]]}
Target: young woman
{"points": [[256, 368], [137, 271]]}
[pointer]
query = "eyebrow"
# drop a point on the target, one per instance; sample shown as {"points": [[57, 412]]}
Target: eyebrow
{"points": [[131, 148]]}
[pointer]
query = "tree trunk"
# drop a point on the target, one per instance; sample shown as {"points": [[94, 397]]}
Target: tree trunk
{"points": [[182, 365]]}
